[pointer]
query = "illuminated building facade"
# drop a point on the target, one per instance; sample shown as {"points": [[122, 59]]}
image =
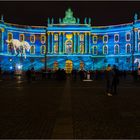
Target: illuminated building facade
{"points": [[71, 44]]}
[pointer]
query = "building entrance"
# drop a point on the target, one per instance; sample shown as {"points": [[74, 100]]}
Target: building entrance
{"points": [[68, 66]]}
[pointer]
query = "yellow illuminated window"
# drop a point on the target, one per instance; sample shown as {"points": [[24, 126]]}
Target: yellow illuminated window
{"points": [[21, 37]]}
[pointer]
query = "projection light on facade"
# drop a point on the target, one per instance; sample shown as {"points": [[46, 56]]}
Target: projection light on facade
{"points": [[71, 40]]}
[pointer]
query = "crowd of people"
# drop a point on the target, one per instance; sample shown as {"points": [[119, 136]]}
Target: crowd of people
{"points": [[111, 75]]}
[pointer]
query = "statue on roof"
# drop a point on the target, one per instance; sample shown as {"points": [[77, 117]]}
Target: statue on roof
{"points": [[60, 20], [69, 19], [2, 18], [89, 21], [135, 17], [52, 21], [78, 21], [48, 20], [85, 21]]}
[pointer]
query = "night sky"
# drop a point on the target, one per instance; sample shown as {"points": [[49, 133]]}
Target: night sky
{"points": [[101, 13]]}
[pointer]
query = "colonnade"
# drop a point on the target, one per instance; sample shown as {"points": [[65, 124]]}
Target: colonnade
{"points": [[75, 42]]}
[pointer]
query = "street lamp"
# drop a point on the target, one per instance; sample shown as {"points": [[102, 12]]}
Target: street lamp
{"points": [[46, 51], [133, 48]]}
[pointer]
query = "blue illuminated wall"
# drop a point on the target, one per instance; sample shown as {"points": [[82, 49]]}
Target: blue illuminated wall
{"points": [[73, 42]]}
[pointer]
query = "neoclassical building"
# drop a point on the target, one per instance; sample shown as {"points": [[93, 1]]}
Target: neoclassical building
{"points": [[70, 44]]}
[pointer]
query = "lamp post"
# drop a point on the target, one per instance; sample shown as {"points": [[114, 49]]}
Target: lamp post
{"points": [[133, 48], [46, 51]]}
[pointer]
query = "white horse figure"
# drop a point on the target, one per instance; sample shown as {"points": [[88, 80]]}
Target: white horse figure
{"points": [[19, 47], [26, 46]]}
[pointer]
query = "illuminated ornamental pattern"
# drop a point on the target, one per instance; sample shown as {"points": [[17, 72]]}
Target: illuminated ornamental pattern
{"points": [[70, 45]]}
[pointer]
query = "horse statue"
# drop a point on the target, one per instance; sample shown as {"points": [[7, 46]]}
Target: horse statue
{"points": [[19, 47]]}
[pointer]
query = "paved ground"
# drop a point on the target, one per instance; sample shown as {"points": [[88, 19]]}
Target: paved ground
{"points": [[57, 109]]}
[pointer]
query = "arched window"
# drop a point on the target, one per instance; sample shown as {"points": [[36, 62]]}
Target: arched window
{"points": [[128, 36], [116, 37], [21, 37], [116, 49], [105, 38], [43, 49], [94, 50], [139, 34], [32, 38], [43, 39], [105, 49], [139, 47], [55, 66], [94, 38], [32, 50], [81, 37], [81, 65], [128, 48], [56, 47], [10, 36], [55, 37], [69, 46], [82, 47]]}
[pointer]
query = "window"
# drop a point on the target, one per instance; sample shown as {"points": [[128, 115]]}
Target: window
{"points": [[43, 39], [43, 49], [55, 65], [105, 49], [116, 49], [139, 47], [81, 65], [56, 47], [105, 38], [81, 47], [21, 37], [69, 47], [81, 37], [32, 38], [94, 38], [128, 48], [94, 50], [139, 34], [32, 50], [128, 36], [10, 36], [56, 37], [116, 37]]}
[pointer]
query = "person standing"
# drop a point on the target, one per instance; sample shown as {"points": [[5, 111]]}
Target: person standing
{"points": [[108, 78], [115, 79]]}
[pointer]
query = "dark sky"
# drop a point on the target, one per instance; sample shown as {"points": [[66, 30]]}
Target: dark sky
{"points": [[101, 12]]}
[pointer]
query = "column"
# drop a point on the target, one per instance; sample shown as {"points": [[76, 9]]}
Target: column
{"points": [[59, 43], [63, 46], [89, 44], [48, 42], [136, 39], [2, 40], [74, 39], [78, 45], [52, 42], [85, 48]]}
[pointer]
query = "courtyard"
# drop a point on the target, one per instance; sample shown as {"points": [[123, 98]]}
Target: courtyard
{"points": [[50, 109]]}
